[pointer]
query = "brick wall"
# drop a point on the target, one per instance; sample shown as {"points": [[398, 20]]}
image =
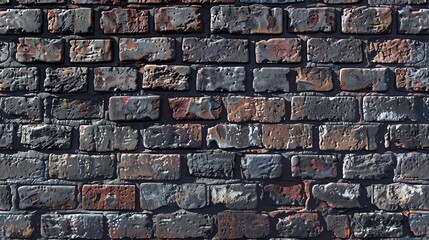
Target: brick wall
{"points": [[216, 119]]}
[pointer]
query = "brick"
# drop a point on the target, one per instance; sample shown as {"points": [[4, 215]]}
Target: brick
{"points": [[271, 79], [7, 49], [183, 224], [419, 223], [71, 226], [66, 79], [300, 225], [377, 224], [191, 196], [104, 138], [96, 2], [208, 50], [172, 136], [314, 166], [234, 136], [149, 1], [124, 21], [207, 1], [70, 108], [81, 166], [339, 195], [366, 20], [16, 225], [341, 1], [278, 50], [234, 196], [129, 225], [166, 77], [412, 79], [108, 197], [49, 50], [230, 79], [356, 79], [324, 108], [19, 79], [46, 136], [262, 166], [132, 108], [195, 108], [407, 136], [399, 196], [47, 197], [411, 167], [314, 79], [384, 108], [271, 1], [147, 49], [253, 19], [90, 51], [7, 132], [22, 166], [115, 79], [311, 20], [413, 21], [331, 50], [368, 166], [286, 136], [257, 109], [339, 225], [395, 2], [349, 137], [28, 108], [178, 19], [149, 167], [40, 2], [396, 51], [242, 225], [211, 164], [425, 107], [5, 198], [288, 193], [20, 21], [72, 21], [157, 195]]}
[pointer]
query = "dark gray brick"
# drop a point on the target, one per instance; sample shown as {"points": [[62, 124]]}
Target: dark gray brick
{"points": [[25, 108], [19, 21], [129, 225], [104, 138], [66, 79], [339, 195], [235, 196], [368, 166], [166, 77], [70, 226], [324, 108], [147, 49], [132, 108], [47, 197], [69, 108], [19, 79], [22, 166], [378, 224], [207, 50], [113, 79], [229, 79], [46, 136], [271, 79], [329, 50], [183, 224], [314, 166], [384, 108], [172, 136], [216, 164], [262, 166]]}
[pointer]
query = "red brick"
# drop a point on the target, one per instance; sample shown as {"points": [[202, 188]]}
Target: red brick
{"points": [[278, 50], [289, 194], [238, 225], [108, 197], [314, 79], [149, 167]]}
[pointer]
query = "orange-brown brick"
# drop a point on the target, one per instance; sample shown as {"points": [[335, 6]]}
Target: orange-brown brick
{"points": [[108, 197], [195, 108], [259, 109], [396, 51], [124, 20], [286, 136], [278, 50], [314, 79]]}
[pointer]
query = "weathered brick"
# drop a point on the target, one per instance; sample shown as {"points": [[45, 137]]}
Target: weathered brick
{"points": [[221, 50], [113, 79], [70, 108], [324, 108], [7, 132], [149, 1], [286, 136], [411, 167], [329, 50], [314, 79], [407, 136], [242, 225], [278, 50], [234, 136], [395, 2], [271, 1], [66, 79], [124, 21], [235, 196], [348, 137], [103, 138], [47, 197], [157, 195], [146, 166], [340, 1], [129, 225], [368, 166], [231, 79], [300, 225], [195, 108], [419, 223], [37, 2], [172, 136], [396, 51], [49, 50], [257, 109], [166, 77], [377, 224], [18, 21], [108, 197], [311, 20], [74, 21], [72, 226], [271, 79], [81, 166], [399, 196], [314, 166], [254, 19], [425, 107], [262, 166], [339, 225], [46, 136], [288, 193], [183, 224], [207, 1], [132, 108], [178, 19], [339, 195], [96, 2], [7, 48], [90, 51], [5, 198], [216, 164], [17, 226], [356, 79], [384, 108], [28, 108], [22, 166], [412, 79], [147, 49], [366, 20], [19, 79], [413, 21], [191, 196]]}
